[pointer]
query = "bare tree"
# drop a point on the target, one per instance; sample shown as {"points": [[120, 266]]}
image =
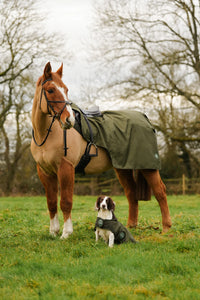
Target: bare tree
{"points": [[152, 50], [23, 45], [23, 42]]}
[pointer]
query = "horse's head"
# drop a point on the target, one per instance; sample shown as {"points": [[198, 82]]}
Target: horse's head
{"points": [[53, 97]]}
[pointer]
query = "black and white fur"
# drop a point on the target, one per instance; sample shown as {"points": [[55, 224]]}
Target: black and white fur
{"points": [[105, 206]]}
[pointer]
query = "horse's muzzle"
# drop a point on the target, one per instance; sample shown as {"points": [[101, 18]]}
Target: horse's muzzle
{"points": [[67, 124]]}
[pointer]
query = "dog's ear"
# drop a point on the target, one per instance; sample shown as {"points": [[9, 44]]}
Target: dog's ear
{"points": [[111, 204], [97, 206]]}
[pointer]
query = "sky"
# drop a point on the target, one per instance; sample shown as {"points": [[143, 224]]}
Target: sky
{"points": [[73, 19]]}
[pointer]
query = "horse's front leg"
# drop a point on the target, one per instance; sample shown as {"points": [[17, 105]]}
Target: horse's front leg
{"points": [[50, 184], [66, 181]]}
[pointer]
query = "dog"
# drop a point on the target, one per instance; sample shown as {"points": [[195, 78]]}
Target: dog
{"points": [[107, 226]]}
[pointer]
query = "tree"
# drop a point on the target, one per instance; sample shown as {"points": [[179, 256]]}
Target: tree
{"points": [[153, 48], [23, 45]]}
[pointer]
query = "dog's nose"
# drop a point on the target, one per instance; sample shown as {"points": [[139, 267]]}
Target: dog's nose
{"points": [[103, 206]]}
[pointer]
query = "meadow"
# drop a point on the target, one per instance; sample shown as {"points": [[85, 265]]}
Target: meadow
{"points": [[34, 265]]}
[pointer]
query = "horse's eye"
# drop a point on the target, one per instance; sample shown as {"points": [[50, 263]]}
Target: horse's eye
{"points": [[50, 91]]}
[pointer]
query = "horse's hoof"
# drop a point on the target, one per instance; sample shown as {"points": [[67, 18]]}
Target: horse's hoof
{"points": [[67, 229], [54, 233], [131, 225], [65, 235], [166, 228], [54, 226]]}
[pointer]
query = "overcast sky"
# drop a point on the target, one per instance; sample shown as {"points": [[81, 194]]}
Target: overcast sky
{"points": [[73, 19]]}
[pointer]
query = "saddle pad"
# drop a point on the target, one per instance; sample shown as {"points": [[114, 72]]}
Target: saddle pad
{"points": [[128, 136]]}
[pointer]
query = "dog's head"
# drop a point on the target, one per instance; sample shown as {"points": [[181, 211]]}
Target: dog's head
{"points": [[105, 203]]}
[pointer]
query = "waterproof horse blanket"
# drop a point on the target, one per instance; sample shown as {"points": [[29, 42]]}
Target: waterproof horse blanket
{"points": [[128, 136]]}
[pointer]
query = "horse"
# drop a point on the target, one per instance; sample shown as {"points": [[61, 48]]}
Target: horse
{"points": [[52, 115]]}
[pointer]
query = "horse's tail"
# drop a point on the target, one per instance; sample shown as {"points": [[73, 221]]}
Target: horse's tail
{"points": [[143, 190]]}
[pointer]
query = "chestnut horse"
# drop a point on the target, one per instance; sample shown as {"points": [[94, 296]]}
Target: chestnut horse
{"points": [[51, 104]]}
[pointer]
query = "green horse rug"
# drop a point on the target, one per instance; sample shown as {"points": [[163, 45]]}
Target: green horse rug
{"points": [[128, 136]]}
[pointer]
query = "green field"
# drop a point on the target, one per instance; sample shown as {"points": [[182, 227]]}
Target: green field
{"points": [[36, 266]]}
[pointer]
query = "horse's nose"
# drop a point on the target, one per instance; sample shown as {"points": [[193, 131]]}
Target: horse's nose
{"points": [[67, 121]]}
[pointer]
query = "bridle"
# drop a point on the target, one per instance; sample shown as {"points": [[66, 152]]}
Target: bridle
{"points": [[85, 159], [56, 115]]}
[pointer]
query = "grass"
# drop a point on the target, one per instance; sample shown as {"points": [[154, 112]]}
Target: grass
{"points": [[33, 265]]}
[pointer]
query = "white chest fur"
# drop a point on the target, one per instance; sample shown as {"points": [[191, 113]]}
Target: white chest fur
{"points": [[105, 234]]}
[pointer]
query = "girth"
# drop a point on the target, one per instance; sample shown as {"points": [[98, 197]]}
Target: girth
{"points": [[86, 157]]}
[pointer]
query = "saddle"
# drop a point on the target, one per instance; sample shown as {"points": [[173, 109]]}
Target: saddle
{"points": [[92, 112], [86, 157]]}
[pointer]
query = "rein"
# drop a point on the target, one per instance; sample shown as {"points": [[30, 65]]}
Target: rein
{"points": [[48, 131], [54, 117], [85, 159]]}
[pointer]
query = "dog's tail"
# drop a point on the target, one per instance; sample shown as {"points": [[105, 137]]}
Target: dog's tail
{"points": [[143, 190]]}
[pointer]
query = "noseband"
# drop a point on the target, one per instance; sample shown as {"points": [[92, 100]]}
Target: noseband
{"points": [[55, 116]]}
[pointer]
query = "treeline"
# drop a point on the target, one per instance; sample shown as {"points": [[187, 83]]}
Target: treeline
{"points": [[147, 55], [27, 182], [24, 45]]}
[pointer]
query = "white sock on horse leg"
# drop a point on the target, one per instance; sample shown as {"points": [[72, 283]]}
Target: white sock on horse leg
{"points": [[67, 228], [54, 225]]}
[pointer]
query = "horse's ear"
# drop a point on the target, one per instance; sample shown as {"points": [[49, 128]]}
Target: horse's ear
{"points": [[47, 71], [60, 71]]}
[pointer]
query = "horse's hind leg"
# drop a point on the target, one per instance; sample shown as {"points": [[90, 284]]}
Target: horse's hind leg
{"points": [[66, 181], [51, 188], [154, 180], [127, 181]]}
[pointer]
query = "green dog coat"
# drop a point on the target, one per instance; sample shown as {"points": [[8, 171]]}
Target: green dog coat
{"points": [[121, 234]]}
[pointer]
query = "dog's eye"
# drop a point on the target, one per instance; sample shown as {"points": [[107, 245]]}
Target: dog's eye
{"points": [[50, 91]]}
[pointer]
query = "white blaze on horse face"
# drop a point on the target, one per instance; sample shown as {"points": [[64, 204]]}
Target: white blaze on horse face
{"points": [[67, 229], [54, 225], [68, 107]]}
